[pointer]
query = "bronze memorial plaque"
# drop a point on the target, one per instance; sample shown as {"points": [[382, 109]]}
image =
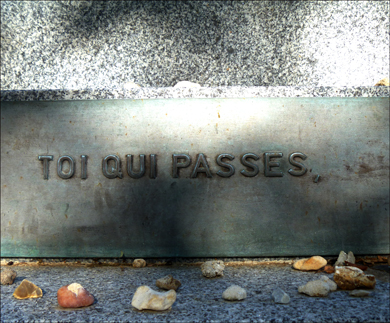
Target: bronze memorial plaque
{"points": [[195, 177]]}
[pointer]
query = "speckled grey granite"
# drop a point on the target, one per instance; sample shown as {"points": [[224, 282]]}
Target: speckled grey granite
{"points": [[81, 45], [199, 299], [221, 92]]}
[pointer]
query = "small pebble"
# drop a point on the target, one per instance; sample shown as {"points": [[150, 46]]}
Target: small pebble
{"points": [[27, 289], [280, 296], [168, 283], [212, 269], [329, 269], [146, 298], [74, 295], [7, 276], [234, 293], [359, 293], [139, 263], [187, 84], [341, 259]]}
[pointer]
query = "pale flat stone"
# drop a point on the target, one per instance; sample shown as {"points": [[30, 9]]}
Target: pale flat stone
{"points": [[313, 263], [359, 293], [168, 283], [187, 84], [7, 276], [212, 269], [331, 283], [234, 293], [341, 259], [280, 296], [27, 289], [146, 298], [351, 277], [139, 263], [317, 288], [131, 85]]}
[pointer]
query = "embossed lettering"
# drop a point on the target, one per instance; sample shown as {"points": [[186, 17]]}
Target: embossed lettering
{"points": [[302, 168], [153, 166], [45, 160], [225, 165], [84, 159], [176, 165], [130, 171], [201, 166], [248, 164], [112, 172], [268, 164], [60, 164]]}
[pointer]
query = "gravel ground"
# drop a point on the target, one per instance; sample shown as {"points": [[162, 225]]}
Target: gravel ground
{"points": [[78, 45], [198, 299]]}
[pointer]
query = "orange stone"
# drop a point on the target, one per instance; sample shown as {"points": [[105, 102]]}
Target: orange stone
{"points": [[313, 263], [74, 295], [27, 289]]}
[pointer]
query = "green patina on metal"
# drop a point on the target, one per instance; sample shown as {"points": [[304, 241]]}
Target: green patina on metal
{"points": [[219, 177]]}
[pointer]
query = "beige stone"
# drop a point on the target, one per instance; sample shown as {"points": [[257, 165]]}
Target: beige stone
{"points": [[331, 283], [27, 289], [168, 283], [383, 82], [351, 278], [146, 298], [7, 276], [234, 293], [316, 288], [139, 263], [313, 263], [212, 269]]}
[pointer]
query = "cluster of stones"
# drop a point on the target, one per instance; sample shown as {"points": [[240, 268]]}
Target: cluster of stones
{"points": [[347, 276]]}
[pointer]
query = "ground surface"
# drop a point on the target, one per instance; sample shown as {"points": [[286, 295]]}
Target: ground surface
{"points": [[105, 44], [198, 299]]}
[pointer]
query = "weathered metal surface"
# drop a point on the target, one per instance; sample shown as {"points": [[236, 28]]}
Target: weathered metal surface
{"points": [[332, 195]]}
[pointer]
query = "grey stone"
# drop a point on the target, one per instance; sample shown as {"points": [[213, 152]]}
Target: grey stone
{"points": [[146, 298], [280, 296], [341, 259], [7, 276], [168, 282], [351, 257], [359, 293], [212, 268], [234, 293]]}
